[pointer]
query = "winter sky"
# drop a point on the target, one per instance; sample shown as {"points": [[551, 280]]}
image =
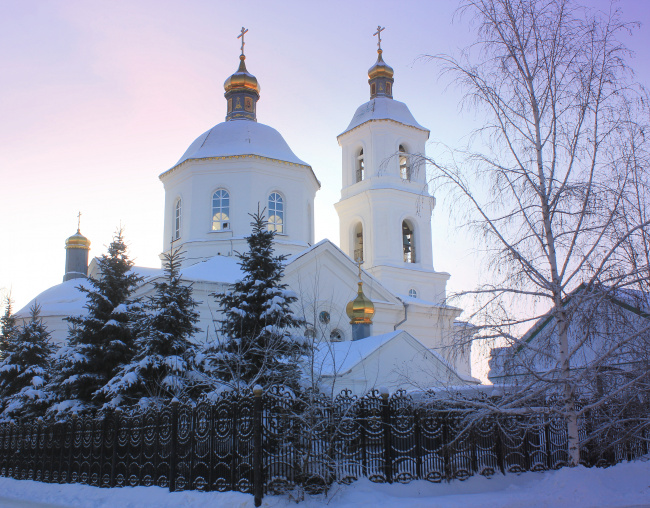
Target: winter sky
{"points": [[97, 98]]}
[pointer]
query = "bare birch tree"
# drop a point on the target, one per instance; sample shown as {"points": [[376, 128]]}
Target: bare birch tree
{"points": [[554, 184]]}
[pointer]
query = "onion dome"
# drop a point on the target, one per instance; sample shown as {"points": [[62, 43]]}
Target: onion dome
{"points": [[242, 79], [77, 241], [381, 69], [361, 309], [242, 93]]}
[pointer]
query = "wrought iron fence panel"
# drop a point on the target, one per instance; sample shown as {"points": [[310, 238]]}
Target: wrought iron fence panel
{"points": [[459, 444], [487, 456], [183, 449], [281, 432], [557, 443], [224, 435], [404, 449], [536, 442], [432, 444], [149, 447], [348, 452], [512, 433], [373, 437], [242, 456], [163, 449], [202, 446]]}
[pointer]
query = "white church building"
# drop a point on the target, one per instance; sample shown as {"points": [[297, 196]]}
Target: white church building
{"points": [[385, 227]]}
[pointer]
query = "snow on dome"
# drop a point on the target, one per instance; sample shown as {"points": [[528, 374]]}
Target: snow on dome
{"points": [[64, 299], [383, 108], [241, 137]]}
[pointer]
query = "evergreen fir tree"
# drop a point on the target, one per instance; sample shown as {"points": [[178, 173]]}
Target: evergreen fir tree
{"points": [[164, 359], [24, 371], [8, 330], [100, 343], [257, 345]]}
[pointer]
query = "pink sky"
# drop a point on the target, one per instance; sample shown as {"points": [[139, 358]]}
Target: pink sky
{"points": [[97, 98]]}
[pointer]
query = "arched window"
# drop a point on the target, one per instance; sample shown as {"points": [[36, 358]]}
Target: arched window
{"points": [[361, 168], [336, 336], [408, 242], [220, 210], [358, 243], [177, 220], [404, 168], [276, 213], [387, 88], [413, 293]]}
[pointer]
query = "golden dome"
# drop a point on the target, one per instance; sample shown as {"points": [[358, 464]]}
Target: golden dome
{"points": [[77, 241], [361, 309], [242, 79], [381, 69]]}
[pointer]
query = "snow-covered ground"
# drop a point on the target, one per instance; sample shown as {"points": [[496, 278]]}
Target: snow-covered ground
{"points": [[626, 484]]}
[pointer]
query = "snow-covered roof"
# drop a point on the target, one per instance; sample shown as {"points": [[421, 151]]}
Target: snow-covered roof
{"points": [[64, 299], [382, 108], [215, 269], [336, 358], [240, 137]]}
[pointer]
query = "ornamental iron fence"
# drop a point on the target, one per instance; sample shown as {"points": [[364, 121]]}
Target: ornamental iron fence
{"points": [[270, 443]]}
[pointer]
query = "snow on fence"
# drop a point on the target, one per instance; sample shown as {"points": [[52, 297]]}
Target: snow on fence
{"points": [[268, 443]]}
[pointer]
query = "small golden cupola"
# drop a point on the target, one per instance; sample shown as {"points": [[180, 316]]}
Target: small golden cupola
{"points": [[380, 75], [360, 311], [242, 90], [76, 254]]}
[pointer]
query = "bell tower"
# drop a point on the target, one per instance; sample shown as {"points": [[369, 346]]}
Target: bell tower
{"points": [[385, 207]]}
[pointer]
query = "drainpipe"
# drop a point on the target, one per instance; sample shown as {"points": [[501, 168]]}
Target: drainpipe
{"points": [[406, 315]]}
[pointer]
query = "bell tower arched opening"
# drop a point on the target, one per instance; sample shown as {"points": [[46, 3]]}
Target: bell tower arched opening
{"points": [[358, 242], [408, 242]]}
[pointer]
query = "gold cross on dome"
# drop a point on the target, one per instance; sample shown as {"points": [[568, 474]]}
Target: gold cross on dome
{"points": [[243, 31], [78, 221], [380, 29]]}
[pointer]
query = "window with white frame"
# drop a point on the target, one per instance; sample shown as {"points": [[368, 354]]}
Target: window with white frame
{"points": [[276, 213], [220, 210], [177, 219], [413, 293]]}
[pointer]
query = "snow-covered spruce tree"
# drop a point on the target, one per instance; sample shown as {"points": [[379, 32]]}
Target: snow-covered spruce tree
{"points": [[24, 371], [258, 346], [162, 366], [102, 342], [8, 329]]}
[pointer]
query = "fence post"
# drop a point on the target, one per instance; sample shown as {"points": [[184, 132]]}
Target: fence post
{"points": [[385, 417], [117, 423], [257, 445]]}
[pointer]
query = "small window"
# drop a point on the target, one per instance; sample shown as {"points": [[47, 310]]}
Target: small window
{"points": [[373, 89], [404, 168], [408, 245], [221, 210], [413, 293], [336, 336], [229, 105], [248, 104], [310, 333], [324, 317], [387, 88], [361, 168], [177, 220], [276, 213]]}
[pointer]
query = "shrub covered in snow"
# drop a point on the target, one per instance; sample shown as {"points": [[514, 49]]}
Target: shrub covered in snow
{"points": [[101, 343], [258, 340], [164, 356], [24, 371]]}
